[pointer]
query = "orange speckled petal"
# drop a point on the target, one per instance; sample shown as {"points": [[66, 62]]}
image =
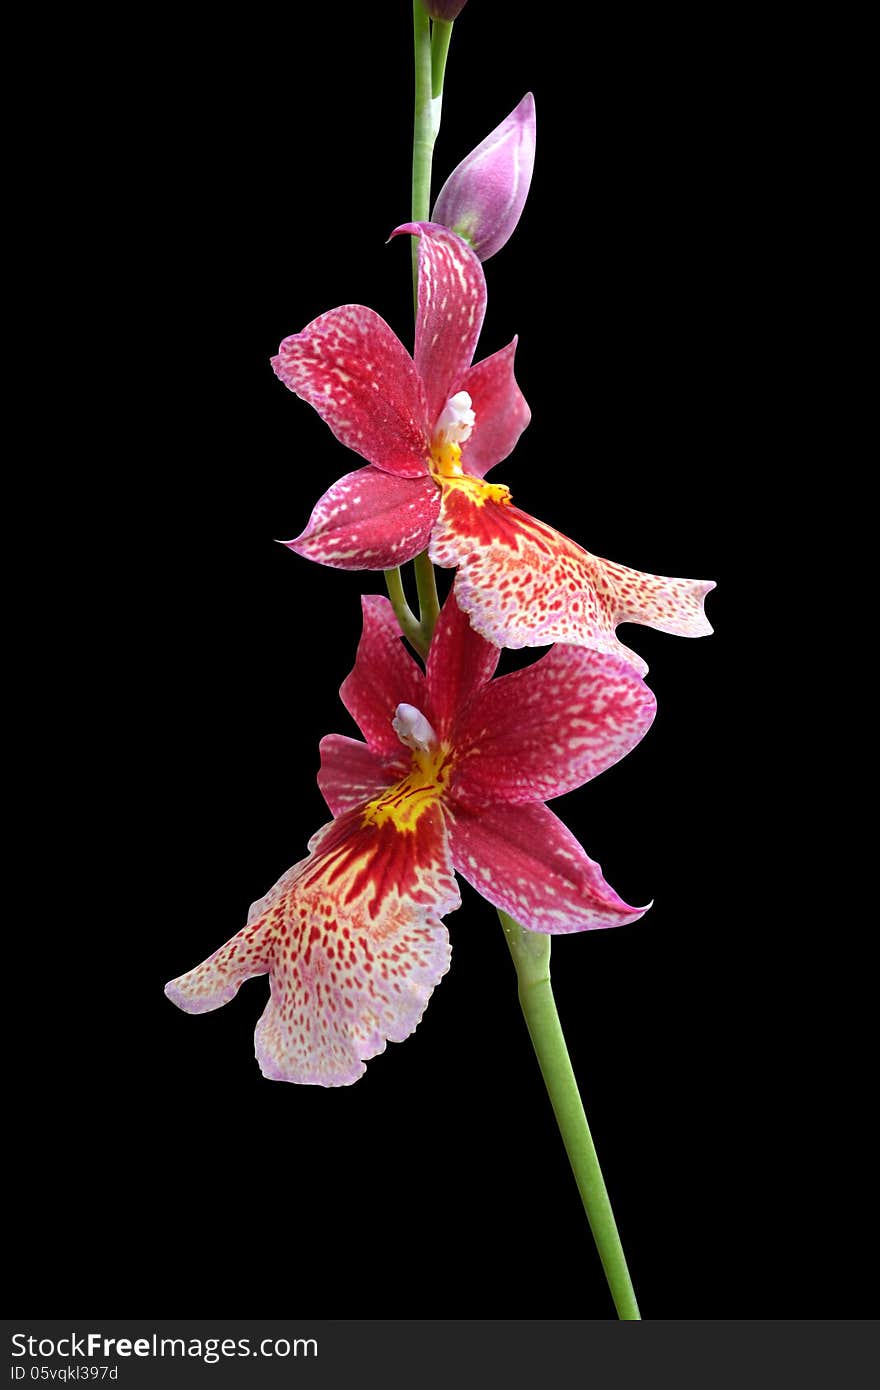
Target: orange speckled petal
{"points": [[354, 945], [523, 584]]}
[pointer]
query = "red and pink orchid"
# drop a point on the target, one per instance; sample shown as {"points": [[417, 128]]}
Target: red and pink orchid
{"points": [[452, 777], [431, 428]]}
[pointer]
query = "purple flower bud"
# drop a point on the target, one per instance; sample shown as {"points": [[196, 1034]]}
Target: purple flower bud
{"points": [[444, 9], [483, 198]]}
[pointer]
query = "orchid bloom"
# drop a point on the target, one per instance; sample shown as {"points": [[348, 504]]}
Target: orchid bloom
{"points": [[485, 194], [431, 429], [452, 776]]}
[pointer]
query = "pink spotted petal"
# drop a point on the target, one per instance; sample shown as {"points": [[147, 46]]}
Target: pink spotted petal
{"points": [[360, 378], [452, 304], [523, 584], [370, 520], [351, 773], [544, 730], [384, 676], [525, 861], [218, 978], [460, 662], [500, 408], [360, 948], [353, 943]]}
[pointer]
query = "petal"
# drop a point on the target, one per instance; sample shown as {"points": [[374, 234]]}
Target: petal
{"points": [[525, 861], [351, 773], [460, 662], [360, 378], [353, 943], [500, 409], [360, 950], [452, 304], [370, 520], [384, 676], [218, 978], [544, 730], [523, 584], [484, 196], [670, 605]]}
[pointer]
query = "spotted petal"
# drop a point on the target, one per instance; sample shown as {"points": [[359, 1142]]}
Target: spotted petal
{"points": [[525, 861], [217, 979], [500, 408], [452, 304], [370, 520], [544, 730], [384, 676], [523, 584], [355, 947], [351, 773], [360, 378], [460, 662]]}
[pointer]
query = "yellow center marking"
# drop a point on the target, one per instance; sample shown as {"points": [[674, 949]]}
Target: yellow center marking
{"points": [[448, 473], [407, 801]]}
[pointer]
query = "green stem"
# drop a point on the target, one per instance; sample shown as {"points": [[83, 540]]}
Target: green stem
{"points": [[430, 65], [441, 33], [424, 133], [431, 46], [409, 623], [531, 956], [429, 603]]}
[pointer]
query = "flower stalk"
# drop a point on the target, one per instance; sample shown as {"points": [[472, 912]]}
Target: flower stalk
{"points": [[424, 128], [431, 46], [531, 957], [409, 624]]}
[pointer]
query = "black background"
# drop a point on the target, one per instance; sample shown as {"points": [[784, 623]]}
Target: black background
{"points": [[231, 184]]}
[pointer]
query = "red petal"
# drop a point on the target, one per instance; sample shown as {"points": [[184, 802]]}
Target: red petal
{"points": [[525, 861], [452, 305], [351, 773], [370, 520], [460, 662], [523, 584], [360, 378], [384, 676], [550, 727], [500, 408]]}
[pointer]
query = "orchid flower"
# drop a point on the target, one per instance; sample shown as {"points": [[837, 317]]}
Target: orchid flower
{"points": [[431, 428], [452, 777]]}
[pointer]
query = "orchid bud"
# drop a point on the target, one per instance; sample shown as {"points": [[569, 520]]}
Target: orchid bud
{"points": [[444, 9], [483, 198]]}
